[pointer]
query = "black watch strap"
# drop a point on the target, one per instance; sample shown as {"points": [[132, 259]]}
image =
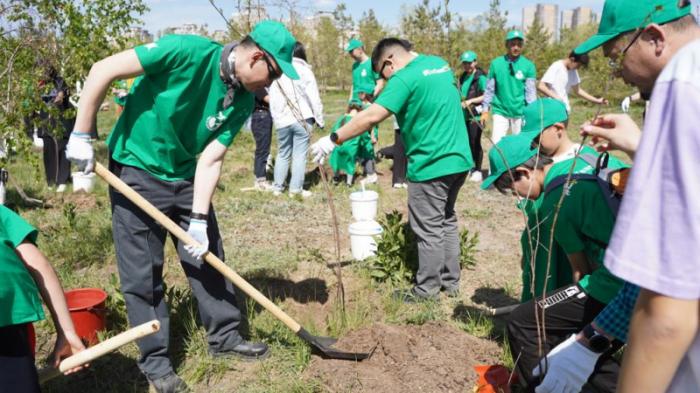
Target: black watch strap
{"points": [[199, 216], [597, 342], [334, 138]]}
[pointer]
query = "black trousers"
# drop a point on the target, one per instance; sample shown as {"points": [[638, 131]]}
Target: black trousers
{"points": [[56, 164], [139, 242], [261, 125], [17, 370], [474, 130], [396, 152], [567, 311]]}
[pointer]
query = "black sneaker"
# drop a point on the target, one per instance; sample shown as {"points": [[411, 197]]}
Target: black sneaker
{"points": [[246, 350], [171, 383]]}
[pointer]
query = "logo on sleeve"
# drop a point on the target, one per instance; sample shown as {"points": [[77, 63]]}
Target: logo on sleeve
{"points": [[214, 122]]}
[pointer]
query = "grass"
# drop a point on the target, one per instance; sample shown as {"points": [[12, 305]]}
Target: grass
{"points": [[280, 244]]}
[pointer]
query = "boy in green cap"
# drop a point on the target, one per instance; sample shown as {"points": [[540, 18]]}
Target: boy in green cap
{"points": [[472, 84], [363, 77], [344, 158], [545, 125], [169, 144], [510, 86], [421, 91], [582, 230]]}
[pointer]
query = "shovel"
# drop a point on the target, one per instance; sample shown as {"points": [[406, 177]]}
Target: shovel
{"points": [[321, 345]]}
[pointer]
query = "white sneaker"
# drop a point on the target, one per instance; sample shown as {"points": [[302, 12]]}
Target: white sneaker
{"points": [[262, 185], [400, 185], [371, 179], [61, 188], [302, 193], [276, 192], [476, 176]]}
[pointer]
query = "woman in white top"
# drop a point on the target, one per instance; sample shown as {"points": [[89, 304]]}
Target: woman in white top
{"points": [[295, 107]]}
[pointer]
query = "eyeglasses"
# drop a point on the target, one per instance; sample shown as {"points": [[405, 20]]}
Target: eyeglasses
{"points": [[386, 61], [273, 74]]}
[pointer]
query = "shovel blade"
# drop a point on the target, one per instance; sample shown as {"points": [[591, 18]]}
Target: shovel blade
{"points": [[322, 346]]}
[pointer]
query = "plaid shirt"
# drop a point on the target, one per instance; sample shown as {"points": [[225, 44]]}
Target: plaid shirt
{"points": [[615, 317]]}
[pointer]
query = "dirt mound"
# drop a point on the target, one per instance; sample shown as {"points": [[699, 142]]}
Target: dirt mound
{"points": [[434, 357]]}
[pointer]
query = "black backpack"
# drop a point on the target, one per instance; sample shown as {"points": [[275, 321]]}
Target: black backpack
{"points": [[611, 182]]}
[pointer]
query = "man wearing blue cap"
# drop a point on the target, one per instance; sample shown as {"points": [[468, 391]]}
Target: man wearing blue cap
{"points": [[169, 145], [510, 86], [364, 79], [654, 45]]}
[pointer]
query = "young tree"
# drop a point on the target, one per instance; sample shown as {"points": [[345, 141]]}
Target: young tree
{"points": [[421, 25], [489, 43], [371, 31], [537, 47], [327, 54]]}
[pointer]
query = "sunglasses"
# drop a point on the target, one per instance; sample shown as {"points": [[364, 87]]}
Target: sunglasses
{"points": [[386, 61], [273, 74], [510, 66]]}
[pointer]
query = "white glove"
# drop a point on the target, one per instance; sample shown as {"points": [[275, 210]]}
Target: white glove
{"points": [[37, 143], [625, 106], [321, 149], [569, 365], [80, 151], [198, 231]]}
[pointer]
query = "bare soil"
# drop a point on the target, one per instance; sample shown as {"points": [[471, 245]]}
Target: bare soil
{"points": [[434, 357]]}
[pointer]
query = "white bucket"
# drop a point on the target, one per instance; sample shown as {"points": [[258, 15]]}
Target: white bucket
{"points": [[83, 182], [364, 205], [362, 242]]}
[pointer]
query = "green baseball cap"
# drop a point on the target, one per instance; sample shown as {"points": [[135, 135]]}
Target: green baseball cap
{"points": [[278, 42], [513, 34], [541, 114], [467, 57], [509, 152], [620, 16], [353, 44]]}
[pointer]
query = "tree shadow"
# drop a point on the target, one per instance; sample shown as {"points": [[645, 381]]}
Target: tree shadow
{"points": [[279, 289], [471, 315], [493, 297]]}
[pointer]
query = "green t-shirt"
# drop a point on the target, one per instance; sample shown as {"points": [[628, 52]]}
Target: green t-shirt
{"points": [[585, 224], [344, 157], [509, 97], [19, 296], [540, 224], [173, 113], [424, 97], [363, 78]]}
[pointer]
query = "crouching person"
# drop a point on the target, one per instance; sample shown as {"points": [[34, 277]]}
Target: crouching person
{"points": [[582, 229]]}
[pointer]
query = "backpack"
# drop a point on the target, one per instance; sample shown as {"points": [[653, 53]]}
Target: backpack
{"points": [[611, 182]]}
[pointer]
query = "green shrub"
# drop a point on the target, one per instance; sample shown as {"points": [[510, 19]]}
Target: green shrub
{"points": [[396, 260], [467, 248]]}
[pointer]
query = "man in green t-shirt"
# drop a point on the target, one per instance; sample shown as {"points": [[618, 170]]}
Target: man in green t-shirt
{"points": [[582, 229], [472, 85], [421, 92], [510, 86], [364, 79], [169, 145]]}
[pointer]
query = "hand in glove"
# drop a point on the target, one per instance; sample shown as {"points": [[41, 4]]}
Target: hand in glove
{"points": [[79, 150], [322, 148], [625, 106], [198, 231], [569, 365]]}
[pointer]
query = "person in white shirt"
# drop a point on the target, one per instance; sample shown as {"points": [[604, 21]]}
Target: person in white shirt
{"points": [[295, 107], [562, 77]]}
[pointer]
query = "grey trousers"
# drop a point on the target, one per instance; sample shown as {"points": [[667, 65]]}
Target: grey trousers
{"points": [[139, 243], [431, 215]]}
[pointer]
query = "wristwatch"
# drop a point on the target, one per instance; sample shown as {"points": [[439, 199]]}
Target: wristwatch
{"points": [[597, 342], [334, 138]]}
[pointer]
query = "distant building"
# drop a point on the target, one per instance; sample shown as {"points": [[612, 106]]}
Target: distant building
{"points": [[566, 21], [579, 16], [139, 34], [547, 14]]}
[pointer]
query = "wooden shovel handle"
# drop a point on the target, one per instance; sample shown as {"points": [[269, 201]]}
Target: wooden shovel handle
{"points": [[179, 233], [98, 350]]}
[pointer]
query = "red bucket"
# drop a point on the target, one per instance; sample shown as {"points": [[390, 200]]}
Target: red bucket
{"points": [[87, 309], [492, 379]]}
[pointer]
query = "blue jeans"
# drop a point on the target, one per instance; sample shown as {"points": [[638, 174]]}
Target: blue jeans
{"points": [[292, 145]]}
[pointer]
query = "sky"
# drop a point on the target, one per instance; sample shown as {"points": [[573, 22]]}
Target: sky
{"points": [[167, 13]]}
